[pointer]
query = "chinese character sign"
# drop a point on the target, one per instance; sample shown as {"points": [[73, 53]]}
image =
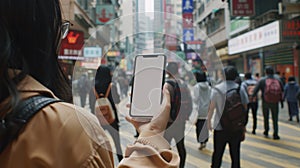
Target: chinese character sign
{"points": [[242, 8], [291, 30]]}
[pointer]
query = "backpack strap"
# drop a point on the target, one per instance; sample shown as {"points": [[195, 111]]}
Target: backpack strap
{"points": [[106, 94], [108, 90], [12, 124]]}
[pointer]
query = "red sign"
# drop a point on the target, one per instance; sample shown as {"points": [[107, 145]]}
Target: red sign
{"points": [[291, 30], [72, 44], [242, 8], [187, 20], [194, 42]]}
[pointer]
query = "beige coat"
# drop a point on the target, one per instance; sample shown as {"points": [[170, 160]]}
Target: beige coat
{"points": [[62, 135]]}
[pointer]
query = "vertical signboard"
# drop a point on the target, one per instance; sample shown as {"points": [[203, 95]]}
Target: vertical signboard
{"points": [[187, 20], [242, 8], [188, 35], [187, 6], [291, 30]]}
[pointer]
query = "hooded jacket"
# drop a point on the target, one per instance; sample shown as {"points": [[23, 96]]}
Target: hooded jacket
{"points": [[201, 99], [290, 91]]}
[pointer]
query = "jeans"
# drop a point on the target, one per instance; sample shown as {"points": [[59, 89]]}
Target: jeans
{"points": [[221, 138], [201, 131], [274, 110]]}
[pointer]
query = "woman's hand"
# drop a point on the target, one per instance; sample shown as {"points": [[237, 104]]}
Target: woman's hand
{"points": [[159, 122]]}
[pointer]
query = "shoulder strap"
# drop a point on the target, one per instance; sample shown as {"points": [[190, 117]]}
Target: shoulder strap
{"points": [[172, 83], [106, 94], [14, 122], [108, 90]]}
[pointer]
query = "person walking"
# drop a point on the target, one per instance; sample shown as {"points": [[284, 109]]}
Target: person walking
{"points": [[290, 92], [59, 135], [83, 89], [228, 91], [181, 108], [202, 92], [103, 81], [249, 85], [272, 93]]}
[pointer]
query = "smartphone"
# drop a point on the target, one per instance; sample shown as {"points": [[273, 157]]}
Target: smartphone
{"points": [[148, 80]]}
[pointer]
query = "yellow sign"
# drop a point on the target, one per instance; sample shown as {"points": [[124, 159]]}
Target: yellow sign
{"points": [[113, 53]]}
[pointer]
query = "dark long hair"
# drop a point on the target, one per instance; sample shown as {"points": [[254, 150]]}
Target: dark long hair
{"points": [[31, 31], [103, 79]]}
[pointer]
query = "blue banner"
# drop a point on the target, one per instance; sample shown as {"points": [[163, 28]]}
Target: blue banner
{"points": [[188, 35], [187, 6]]}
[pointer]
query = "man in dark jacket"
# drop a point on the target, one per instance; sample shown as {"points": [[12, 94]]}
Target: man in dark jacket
{"points": [[249, 85], [266, 103]]}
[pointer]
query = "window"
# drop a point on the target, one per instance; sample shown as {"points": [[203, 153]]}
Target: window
{"points": [[201, 9], [213, 25]]}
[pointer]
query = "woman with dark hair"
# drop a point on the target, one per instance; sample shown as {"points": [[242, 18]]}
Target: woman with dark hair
{"points": [[201, 99], [59, 135], [102, 81]]}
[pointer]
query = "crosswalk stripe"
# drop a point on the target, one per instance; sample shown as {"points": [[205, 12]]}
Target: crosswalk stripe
{"points": [[250, 156], [285, 136], [270, 159], [260, 118], [226, 157], [281, 142], [273, 149], [196, 161]]}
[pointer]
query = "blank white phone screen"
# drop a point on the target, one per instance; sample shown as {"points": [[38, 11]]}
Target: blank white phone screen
{"points": [[147, 85]]}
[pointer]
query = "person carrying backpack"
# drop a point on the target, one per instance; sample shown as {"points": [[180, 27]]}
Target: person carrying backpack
{"points": [[103, 85], [249, 85], [230, 101], [181, 108], [272, 93]]}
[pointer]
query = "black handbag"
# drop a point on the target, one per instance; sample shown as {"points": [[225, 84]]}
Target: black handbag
{"points": [[13, 123]]}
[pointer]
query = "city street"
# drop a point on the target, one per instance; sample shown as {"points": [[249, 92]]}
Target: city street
{"points": [[256, 151]]}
